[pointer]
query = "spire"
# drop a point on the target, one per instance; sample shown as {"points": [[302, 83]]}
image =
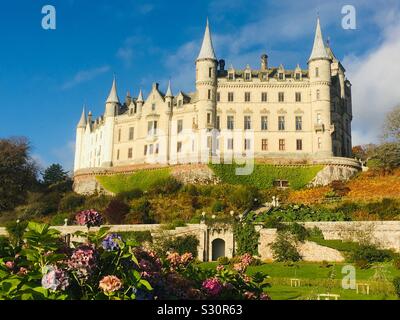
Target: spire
{"points": [[319, 50], [169, 92], [140, 97], [207, 49], [82, 121], [113, 96]]}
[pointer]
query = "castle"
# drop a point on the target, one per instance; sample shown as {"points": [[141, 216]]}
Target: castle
{"points": [[269, 112]]}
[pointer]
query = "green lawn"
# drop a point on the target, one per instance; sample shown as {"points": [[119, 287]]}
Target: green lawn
{"points": [[143, 180], [314, 280], [264, 175]]}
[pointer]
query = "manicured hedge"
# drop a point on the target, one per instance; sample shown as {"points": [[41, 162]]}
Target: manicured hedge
{"points": [[143, 180], [264, 175]]}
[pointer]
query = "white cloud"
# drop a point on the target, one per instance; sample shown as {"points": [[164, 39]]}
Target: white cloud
{"points": [[375, 85], [84, 76]]}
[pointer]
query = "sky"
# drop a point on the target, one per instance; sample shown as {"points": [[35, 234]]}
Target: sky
{"points": [[46, 76]]}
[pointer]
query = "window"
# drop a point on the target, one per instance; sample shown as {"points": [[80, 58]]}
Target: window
{"points": [[145, 150], [179, 103], [169, 104], [179, 147], [247, 144], [281, 97], [179, 126], [247, 76], [264, 123], [230, 122], [298, 96], [264, 97], [157, 148], [264, 77], [317, 72], [230, 96], [230, 144], [281, 123], [131, 131], [153, 106], [299, 123], [209, 94], [152, 127], [318, 94], [210, 72], [264, 144], [231, 76], [298, 76], [218, 123], [130, 153], [208, 118], [119, 135], [299, 144], [118, 154], [281, 144], [151, 149], [281, 76], [319, 120], [247, 96], [319, 143], [247, 122], [131, 111], [218, 96]]}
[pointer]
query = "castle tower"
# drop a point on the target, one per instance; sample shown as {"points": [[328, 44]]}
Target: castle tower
{"points": [[319, 66], [111, 111], [80, 133], [206, 82], [139, 103]]}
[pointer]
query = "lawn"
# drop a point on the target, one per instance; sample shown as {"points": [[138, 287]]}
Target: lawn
{"points": [[143, 180], [314, 280], [264, 175]]}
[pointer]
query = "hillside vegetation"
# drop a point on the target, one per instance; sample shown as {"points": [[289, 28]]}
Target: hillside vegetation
{"points": [[143, 180], [264, 175]]}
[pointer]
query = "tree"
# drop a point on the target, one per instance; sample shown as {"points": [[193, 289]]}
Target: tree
{"points": [[392, 125], [54, 174], [18, 172], [388, 155]]}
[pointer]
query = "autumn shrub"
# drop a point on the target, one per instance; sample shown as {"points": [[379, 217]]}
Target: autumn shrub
{"points": [[140, 212], [71, 202], [116, 211]]}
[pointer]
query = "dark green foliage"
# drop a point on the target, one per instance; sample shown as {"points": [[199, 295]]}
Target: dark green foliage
{"points": [[284, 248], [396, 285], [387, 156], [97, 202], [116, 211], [54, 174], [218, 206], [71, 202], [243, 197], [315, 233], [140, 212], [130, 195], [49, 203], [16, 231], [17, 172], [59, 219], [264, 175], [298, 231], [181, 245], [137, 236], [370, 254], [166, 186], [386, 209], [396, 262], [246, 238], [223, 261]]}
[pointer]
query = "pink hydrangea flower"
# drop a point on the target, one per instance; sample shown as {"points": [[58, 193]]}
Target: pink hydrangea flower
{"points": [[10, 265], [186, 258], [212, 286], [110, 284], [220, 268]]}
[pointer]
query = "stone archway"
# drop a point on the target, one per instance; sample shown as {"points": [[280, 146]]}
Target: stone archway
{"points": [[218, 249]]}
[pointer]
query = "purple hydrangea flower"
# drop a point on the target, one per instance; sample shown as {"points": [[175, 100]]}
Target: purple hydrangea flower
{"points": [[212, 286], [54, 279], [83, 261], [111, 242]]}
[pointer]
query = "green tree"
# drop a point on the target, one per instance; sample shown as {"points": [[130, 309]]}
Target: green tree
{"points": [[392, 125], [54, 174], [18, 172], [388, 155]]}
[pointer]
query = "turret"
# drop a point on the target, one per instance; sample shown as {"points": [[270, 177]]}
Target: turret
{"points": [[112, 101], [319, 66], [169, 97], [139, 102], [80, 133], [206, 81]]}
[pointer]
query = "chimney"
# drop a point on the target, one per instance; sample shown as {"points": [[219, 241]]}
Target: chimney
{"points": [[221, 65], [264, 62]]}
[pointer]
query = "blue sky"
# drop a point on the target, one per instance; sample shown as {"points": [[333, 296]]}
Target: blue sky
{"points": [[47, 75]]}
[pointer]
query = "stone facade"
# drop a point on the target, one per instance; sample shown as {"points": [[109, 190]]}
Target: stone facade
{"points": [[266, 112]]}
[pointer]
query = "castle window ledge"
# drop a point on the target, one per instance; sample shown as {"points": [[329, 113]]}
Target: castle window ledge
{"points": [[319, 127], [152, 138]]}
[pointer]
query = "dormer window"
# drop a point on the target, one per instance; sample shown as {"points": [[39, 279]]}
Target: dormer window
{"points": [[231, 75], [281, 76], [247, 76], [298, 76], [264, 77], [180, 103], [153, 106]]}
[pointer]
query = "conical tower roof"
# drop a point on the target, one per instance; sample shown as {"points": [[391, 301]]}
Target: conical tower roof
{"points": [[113, 96], [319, 50], [140, 97], [82, 122], [169, 91], [207, 49]]}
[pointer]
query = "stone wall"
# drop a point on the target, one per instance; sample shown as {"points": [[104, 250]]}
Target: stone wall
{"points": [[309, 251]]}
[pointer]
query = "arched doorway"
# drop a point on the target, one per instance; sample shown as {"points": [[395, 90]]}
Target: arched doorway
{"points": [[218, 249]]}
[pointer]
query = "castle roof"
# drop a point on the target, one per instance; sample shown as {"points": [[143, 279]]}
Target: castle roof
{"points": [[113, 96], [140, 97], [82, 121], [207, 49], [319, 50], [169, 91]]}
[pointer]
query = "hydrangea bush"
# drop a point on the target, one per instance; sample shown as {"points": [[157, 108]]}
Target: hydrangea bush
{"points": [[106, 267]]}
